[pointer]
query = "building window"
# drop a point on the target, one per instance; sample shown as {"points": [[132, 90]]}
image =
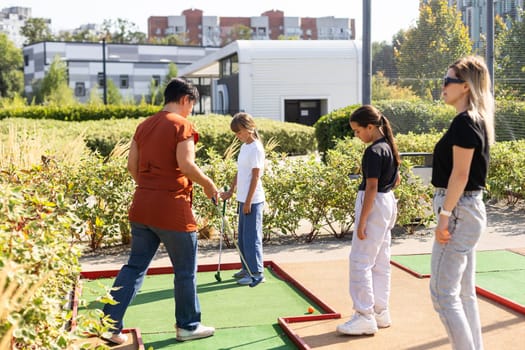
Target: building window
{"points": [[100, 79], [156, 80], [124, 81], [26, 60], [80, 89]]}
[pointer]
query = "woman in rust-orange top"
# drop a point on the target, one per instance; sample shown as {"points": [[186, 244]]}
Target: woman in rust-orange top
{"points": [[162, 163]]}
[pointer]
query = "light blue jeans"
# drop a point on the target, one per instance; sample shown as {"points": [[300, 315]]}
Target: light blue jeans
{"points": [[182, 250], [453, 268], [250, 237]]}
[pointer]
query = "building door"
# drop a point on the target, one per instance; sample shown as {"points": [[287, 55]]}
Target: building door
{"points": [[305, 112]]}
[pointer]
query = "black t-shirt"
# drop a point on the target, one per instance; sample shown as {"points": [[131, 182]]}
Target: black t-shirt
{"points": [[463, 132], [378, 162]]}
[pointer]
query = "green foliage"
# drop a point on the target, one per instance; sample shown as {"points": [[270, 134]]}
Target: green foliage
{"points": [[405, 117], [36, 30], [510, 120], [53, 88], [506, 179], [383, 60], [101, 190], [11, 68], [113, 93], [510, 57], [38, 223], [438, 39], [332, 127], [383, 90]]}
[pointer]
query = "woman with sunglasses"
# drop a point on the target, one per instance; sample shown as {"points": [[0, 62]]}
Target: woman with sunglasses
{"points": [[459, 172]]}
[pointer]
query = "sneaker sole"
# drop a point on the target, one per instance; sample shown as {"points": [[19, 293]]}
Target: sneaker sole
{"points": [[193, 337], [358, 332]]}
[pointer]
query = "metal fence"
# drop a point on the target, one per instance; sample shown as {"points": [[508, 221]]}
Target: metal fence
{"points": [[414, 62]]}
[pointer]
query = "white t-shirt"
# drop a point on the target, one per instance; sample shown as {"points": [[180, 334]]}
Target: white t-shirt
{"points": [[251, 156]]}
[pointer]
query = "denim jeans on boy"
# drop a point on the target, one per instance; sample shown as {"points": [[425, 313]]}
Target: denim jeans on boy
{"points": [[453, 268], [182, 250], [250, 236]]}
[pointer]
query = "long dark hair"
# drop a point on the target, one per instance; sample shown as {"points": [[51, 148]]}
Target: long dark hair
{"points": [[368, 114]]}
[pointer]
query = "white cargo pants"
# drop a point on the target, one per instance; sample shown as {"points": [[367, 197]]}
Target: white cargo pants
{"points": [[370, 258]]}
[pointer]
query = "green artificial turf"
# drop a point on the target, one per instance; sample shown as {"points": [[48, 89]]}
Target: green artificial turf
{"points": [[508, 284], [500, 271], [244, 317]]}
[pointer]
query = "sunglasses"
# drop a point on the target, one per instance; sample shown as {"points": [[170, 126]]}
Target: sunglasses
{"points": [[450, 80]]}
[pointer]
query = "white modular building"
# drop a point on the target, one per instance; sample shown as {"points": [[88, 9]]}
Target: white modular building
{"points": [[132, 68], [285, 80]]}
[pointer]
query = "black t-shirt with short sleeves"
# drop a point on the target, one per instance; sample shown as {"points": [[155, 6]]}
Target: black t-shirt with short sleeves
{"points": [[464, 132], [378, 162]]}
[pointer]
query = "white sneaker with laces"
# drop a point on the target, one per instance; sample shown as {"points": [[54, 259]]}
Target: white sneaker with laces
{"points": [[359, 324], [115, 338], [383, 319], [200, 332]]}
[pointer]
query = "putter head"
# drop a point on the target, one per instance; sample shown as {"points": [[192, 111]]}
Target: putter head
{"points": [[218, 277], [256, 281]]}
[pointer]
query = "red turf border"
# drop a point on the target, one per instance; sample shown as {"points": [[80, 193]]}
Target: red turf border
{"points": [[283, 322], [409, 270]]}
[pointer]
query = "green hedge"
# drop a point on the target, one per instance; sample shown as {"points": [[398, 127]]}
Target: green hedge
{"points": [[79, 112], [419, 117], [214, 132]]}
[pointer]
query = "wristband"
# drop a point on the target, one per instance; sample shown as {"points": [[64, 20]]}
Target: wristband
{"points": [[445, 212]]}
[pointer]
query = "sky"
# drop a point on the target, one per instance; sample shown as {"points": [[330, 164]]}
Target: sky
{"points": [[388, 16]]}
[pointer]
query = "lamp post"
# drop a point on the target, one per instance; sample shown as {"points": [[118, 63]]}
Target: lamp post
{"points": [[105, 88]]}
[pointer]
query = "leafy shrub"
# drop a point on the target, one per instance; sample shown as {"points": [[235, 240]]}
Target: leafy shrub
{"points": [[36, 230], [506, 178], [419, 117]]}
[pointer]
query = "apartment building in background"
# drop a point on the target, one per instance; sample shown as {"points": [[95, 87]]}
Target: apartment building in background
{"points": [[12, 19], [197, 29], [474, 15]]}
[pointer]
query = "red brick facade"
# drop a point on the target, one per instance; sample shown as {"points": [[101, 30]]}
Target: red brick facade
{"points": [[157, 26]]}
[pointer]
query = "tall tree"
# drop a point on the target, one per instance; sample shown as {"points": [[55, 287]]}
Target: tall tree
{"points": [[237, 32], [36, 30], [11, 68], [510, 59], [53, 88], [438, 39], [123, 31], [157, 90], [383, 60]]}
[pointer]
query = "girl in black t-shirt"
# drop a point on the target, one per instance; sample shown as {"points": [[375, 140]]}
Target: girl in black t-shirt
{"points": [[375, 216], [459, 171]]}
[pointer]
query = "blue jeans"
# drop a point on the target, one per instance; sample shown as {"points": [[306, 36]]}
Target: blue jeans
{"points": [[453, 268], [182, 250], [250, 237]]}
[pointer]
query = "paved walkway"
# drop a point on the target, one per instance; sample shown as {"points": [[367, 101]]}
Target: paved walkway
{"points": [[416, 325], [506, 230]]}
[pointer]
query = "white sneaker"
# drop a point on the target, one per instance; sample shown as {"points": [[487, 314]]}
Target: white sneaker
{"points": [[359, 324], [247, 279], [383, 319], [200, 332], [115, 338]]}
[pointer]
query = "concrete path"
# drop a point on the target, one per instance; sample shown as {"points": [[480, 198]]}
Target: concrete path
{"points": [[506, 230]]}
